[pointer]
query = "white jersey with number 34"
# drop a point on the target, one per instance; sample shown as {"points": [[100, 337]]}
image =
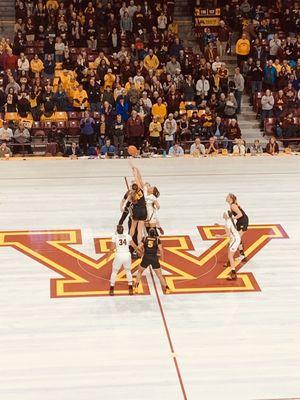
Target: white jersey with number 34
{"points": [[122, 242]]}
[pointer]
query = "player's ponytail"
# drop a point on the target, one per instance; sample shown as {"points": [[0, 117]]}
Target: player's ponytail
{"points": [[156, 192], [233, 198]]}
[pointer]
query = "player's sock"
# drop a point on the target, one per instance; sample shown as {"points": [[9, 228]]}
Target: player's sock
{"points": [[111, 290], [232, 276], [130, 288], [123, 217]]}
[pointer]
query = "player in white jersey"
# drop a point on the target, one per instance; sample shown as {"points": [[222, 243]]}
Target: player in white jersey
{"points": [[152, 205], [234, 242], [121, 242]]}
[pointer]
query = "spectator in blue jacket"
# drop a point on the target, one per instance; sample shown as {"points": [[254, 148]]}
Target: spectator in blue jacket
{"points": [[87, 135], [108, 149], [122, 109], [270, 76]]}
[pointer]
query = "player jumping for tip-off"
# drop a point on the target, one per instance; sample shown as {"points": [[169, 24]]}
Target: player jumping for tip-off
{"points": [[121, 242]]}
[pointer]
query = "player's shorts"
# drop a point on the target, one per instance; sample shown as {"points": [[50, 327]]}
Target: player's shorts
{"points": [[139, 213], [151, 215], [242, 223], [234, 244], [153, 261]]}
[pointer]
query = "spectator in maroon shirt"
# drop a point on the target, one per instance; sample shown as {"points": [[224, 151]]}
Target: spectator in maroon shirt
{"points": [[11, 61], [212, 146], [135, 130], [233, 132]]}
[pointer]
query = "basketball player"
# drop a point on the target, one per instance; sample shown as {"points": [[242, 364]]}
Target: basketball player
{"points": [[152, 205], [121, 244], [242, 220], [235, 240], [139, 209], [152, 249]]}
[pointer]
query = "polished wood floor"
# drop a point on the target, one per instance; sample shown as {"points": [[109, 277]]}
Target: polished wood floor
{"points": [[63, 338]]}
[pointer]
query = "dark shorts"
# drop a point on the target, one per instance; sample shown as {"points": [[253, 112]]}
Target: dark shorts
{"points": [[242, 224], [139, 213], [153, 261]]}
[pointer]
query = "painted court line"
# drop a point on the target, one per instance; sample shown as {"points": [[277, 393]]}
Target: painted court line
{"points": [[169, 338]]}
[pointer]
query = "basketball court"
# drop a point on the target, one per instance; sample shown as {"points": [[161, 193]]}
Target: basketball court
{"points": [[64, 338]]}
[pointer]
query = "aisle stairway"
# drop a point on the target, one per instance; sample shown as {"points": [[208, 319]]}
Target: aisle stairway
{"points": [[249, 124], [247, 119], [7, 18], [183, 17]]}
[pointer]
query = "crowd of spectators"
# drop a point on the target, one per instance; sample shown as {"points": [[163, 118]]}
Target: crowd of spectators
{"points": [[115, 73]]}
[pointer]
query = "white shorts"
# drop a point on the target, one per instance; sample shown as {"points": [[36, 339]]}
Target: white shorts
{"points": [[122, 259], [234, 243], [151, 215]]}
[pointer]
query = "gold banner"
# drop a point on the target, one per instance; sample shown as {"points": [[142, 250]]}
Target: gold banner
{"points": [[215, 21]]}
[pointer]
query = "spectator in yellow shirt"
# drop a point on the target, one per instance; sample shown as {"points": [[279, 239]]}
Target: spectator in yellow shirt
{"points": [[109, 79], [159, 110], [80, 99], [155, 129], [52, 4], [151, 61], [242, 49], [36, 65]]}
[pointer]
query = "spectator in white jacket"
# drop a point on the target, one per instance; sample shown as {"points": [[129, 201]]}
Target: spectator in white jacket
{"points": [[197, 148], [169, 131], [202, 86], [23, 63], [267, 104], [239, 149]]}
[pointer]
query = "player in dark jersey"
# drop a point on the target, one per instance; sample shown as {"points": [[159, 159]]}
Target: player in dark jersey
{"points": [[125, 208], [242, 220], [151, 249], [139, 209]]}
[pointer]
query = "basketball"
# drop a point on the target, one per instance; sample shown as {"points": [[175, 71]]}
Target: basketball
{"points": [[133, 151]]}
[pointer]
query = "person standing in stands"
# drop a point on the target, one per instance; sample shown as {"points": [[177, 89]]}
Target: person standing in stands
{"points": [[233, 133], [239, 88], [87, 135], [242, 50]]}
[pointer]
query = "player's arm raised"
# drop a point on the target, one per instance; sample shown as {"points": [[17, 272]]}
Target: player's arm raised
{"points": [[137, 175]]}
